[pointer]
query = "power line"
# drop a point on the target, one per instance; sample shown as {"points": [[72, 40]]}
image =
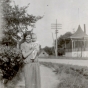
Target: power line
{"points": [[56, 26]]}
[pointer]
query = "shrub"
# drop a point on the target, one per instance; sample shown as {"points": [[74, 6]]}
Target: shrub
{"points": [[11, 61]]}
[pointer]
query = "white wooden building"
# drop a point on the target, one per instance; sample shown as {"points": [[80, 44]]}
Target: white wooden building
{"points": [[79, 44]]}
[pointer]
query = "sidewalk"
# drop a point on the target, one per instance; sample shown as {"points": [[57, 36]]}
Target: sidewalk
{"points": [[48, 78]]}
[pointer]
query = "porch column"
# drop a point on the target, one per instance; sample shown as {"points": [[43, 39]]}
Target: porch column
{"points": [[72, 45], [84, 44]]}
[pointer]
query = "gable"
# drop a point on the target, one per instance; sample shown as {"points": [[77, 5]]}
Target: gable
{"points": [[43, 54]]}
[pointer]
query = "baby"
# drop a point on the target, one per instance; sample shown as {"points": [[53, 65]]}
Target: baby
{"points": [[35, 45]]}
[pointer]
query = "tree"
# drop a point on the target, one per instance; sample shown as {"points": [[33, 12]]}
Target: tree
{"points": [[16, 21], [49, 50], [62, 41]]}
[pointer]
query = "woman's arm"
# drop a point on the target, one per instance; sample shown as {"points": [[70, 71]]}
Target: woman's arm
{"points": [[26, 54]]}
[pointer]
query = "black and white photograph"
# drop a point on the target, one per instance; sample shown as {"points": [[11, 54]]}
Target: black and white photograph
{"points": [[43, 43]]}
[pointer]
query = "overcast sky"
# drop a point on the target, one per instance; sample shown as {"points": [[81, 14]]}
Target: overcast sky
{"points": [[65, 11]]}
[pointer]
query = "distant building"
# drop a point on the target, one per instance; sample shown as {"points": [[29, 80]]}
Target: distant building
{"points": [[43, 54], [79, 44]]}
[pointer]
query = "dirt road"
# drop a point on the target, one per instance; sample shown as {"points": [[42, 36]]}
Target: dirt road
{"points": [[67, 61]]}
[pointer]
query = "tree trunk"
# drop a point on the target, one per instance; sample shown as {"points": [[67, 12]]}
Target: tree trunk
{"points": [[18, 45]]}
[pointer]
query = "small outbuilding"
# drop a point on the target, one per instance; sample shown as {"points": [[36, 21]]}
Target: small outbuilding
{"points": [[43, 54]]}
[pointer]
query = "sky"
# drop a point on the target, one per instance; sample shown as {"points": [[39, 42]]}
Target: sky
{"points": [[69, 13]]}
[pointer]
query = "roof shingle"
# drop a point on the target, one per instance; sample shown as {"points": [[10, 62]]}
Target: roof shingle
{"points": [[79, 34]]}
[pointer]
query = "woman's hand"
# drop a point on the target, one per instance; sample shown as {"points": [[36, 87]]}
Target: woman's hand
{"points": [[26, 54]]}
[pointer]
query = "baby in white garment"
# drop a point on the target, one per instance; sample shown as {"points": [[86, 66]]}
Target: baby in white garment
{"points": [[35, 45]]}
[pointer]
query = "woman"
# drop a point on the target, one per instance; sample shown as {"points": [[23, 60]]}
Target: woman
{"points": [[31, 68]]}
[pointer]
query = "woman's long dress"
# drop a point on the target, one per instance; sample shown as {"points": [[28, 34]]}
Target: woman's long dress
{"points": [[31, 70]]}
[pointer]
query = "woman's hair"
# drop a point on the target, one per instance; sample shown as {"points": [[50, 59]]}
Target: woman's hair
{"points": [[26, 34]]}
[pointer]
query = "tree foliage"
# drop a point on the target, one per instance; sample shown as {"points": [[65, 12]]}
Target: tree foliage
{"points": [[64, 39], [49, 50], [63, 42], [16, 20]]}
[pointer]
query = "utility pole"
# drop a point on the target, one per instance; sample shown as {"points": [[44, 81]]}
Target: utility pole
{"points": [[56, 26]]}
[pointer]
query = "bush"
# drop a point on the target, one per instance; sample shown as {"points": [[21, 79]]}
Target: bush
{"points": [[61, 51], [11, 61]]}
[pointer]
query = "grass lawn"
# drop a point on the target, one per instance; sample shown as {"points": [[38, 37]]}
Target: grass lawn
{"points": [[63, 57], [70, 76]]}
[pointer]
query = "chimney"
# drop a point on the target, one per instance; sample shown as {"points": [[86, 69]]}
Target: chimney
{"points": [[84, 28]]}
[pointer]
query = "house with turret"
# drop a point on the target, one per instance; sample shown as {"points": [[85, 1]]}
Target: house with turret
{"points": [[79, 44]]}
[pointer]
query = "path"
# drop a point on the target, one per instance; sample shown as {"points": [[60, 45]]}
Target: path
{"points": [[48, 78]]}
